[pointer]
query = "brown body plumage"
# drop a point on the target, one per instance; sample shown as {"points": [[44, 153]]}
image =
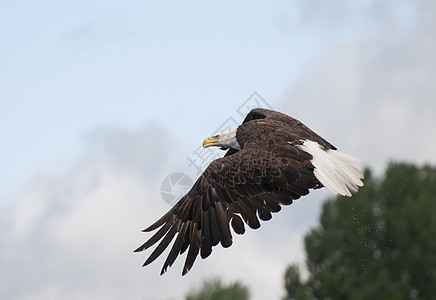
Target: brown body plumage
{"points": [[244, 186]]}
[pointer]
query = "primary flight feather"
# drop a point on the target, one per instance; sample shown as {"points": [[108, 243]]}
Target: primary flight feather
{"points": [[272, 159]]}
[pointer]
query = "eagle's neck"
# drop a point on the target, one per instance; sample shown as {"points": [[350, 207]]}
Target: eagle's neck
{"points": [[232, 141]]}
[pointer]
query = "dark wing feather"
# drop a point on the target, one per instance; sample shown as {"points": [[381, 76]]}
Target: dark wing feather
{"points": [[162, 245], [243, 186], [238, 224], [194, 247], [176, 247], [206, 243]]}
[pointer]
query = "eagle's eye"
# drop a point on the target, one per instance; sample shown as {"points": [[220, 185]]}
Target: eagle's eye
{"points": [[216, 137]]}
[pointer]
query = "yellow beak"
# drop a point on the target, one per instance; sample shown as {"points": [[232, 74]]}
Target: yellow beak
{"points": [[208, 142]]}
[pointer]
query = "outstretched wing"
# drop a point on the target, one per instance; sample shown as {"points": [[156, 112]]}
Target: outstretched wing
{"points": [[295, 129], [243, 187]]}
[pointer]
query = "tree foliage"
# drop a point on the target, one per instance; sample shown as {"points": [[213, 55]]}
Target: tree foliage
{"points": [[380, 244], [214, 289]]}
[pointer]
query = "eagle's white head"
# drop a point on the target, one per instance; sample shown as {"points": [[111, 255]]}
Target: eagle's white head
{"points": [[225, 140]]}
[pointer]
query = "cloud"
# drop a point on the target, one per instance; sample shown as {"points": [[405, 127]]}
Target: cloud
{"points": [[380, 87], [373, 96], [70, 233]]}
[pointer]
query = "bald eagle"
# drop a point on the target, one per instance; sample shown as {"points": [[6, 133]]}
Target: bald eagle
{"points": [[271, 160]]}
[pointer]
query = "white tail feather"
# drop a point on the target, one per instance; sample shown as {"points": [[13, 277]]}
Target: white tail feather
{"points": [[334, 169]]}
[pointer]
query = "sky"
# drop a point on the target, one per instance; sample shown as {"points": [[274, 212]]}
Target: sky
{"points": [[101, 101]]}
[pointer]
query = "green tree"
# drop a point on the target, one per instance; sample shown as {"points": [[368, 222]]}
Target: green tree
{"points": [[380, 244], [214, 289]]}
